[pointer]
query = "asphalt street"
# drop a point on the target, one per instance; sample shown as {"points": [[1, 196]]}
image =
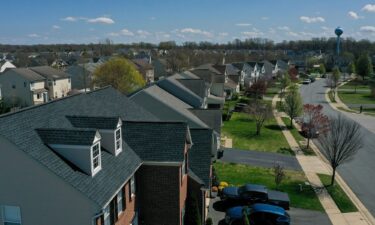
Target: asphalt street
{"points": [[262, 159], [359, 173]]}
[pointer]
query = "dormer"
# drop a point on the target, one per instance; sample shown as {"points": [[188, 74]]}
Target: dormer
{"points": [[108, 127], [79, 147]]}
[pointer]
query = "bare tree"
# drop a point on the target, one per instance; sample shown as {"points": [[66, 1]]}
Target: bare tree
{"points": [[341, 142], [278, 170], [260, 113]]}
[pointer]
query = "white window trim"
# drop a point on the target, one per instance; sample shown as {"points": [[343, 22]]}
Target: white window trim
{"points": [[120, 201], [132, 186], [2, 213], [99, 167], [118, 150], [106, 214]]}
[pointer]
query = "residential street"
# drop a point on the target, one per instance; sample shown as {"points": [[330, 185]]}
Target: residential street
{"points": [[262, 159], [359, 173]]}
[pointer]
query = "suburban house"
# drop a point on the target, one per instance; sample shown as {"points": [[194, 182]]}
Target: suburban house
{"points": [[58, 83], [145, 68], [82, 74], [100, 158], [215, 80], [5, 64], [23, 87]]}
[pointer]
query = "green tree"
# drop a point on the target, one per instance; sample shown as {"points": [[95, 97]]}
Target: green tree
{"points": [[351, 68], [120, 73], [322, 69], [192, 214], [284, 83], [293, 105], [364, 66]]}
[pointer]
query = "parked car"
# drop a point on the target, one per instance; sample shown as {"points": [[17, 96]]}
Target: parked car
{"points": [[257, 214], [312, 79], [239, 107], [253, 193], [306, 81]]}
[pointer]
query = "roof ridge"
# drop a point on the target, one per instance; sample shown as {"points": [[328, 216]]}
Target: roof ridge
{"points": [[162, 122], [52, 101]]}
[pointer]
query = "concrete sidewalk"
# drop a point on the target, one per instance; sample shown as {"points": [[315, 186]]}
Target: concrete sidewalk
{"points": [[312, 165]]}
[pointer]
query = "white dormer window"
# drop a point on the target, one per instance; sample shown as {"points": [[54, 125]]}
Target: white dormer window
{"points": [[118, 140], [96, 160]]}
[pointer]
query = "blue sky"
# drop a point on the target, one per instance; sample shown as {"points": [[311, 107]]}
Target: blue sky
{"points": [[123, 21]]}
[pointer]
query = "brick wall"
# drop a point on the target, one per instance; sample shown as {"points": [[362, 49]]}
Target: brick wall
{"points": [[159, 194], [126, 217]]}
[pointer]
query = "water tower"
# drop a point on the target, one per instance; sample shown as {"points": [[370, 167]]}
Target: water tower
{"points": [[338, 31]]}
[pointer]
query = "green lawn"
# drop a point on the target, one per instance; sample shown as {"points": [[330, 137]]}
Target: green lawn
{"points": [[351, 85], [298, 137], [242, 130], [341, 199], [236, 174], [356, 98]]}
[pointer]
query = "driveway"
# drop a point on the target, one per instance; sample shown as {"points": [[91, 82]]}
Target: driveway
{"points": [[298, 216], [358, 173], [261, 159]]}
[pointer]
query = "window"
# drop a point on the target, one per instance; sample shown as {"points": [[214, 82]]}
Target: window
{"points": [[96, 162], [135, 219], [54, 82], [14, 86], [38, 96], [118, 139], [120, 201], [132, 187], [11, 215], [24, 84], [106, 216], [68, 80]]}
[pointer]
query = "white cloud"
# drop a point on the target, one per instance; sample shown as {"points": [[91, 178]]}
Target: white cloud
{"points": [[264, 18], [101, 20], [33, 35], [224, 34], [285, 28], [152, 18], [293, 34], [243, 24], [114, 34], [254, 33], [56, 27], [325, 28], [307, 19], [369, 8], [368, 29], [143, 32], [70, 19], [196, 31], [353, 15], [126, 32]]}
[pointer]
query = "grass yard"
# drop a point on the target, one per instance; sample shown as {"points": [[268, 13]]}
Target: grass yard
{"points": [[341, 199], [356, 98], [242, 130], [297, 136], [352, 85], [236, 174]]}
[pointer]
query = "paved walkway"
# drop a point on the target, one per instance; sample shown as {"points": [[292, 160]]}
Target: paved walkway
{"points": [[262, 159], [312, 165]]}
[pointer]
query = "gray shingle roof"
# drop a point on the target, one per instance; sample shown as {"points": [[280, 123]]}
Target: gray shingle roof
{"points": [[198, 86], [200, 154], [49, 72], [26, 73], [166, 106], [157, 141], [177, 89], [67, 136], [20, 129], [96, 122]]}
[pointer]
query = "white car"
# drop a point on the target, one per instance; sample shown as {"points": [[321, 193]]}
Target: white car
{"points": [[306, 81]]}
